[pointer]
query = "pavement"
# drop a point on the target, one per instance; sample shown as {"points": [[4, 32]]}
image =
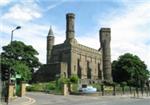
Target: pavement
{"points": [[49, 99], [25, 100]]}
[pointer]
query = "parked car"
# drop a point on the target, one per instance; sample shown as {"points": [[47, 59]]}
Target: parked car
{"points": [[87, 89]]}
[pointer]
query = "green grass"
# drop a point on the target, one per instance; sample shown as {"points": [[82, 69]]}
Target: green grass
{"points": [[41, 87], [49, 87]]}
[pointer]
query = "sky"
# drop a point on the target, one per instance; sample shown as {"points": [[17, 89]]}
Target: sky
{"points": [[129, 21]]}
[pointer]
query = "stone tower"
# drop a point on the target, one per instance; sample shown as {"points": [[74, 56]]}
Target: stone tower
{"points": [[105, 39], [70, 33], [50, 43]]}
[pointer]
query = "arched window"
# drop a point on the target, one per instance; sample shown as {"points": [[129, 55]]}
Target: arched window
{"points": [[79, 69], [88, 70]]}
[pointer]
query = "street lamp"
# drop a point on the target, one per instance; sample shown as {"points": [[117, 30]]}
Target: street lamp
{"points": [[18, 27], [8, 81]]}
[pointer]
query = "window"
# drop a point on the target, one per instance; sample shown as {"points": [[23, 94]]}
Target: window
{"points": [[74, 67]]}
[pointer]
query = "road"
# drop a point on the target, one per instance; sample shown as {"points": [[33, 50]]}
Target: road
{"points": [[49, 99]]}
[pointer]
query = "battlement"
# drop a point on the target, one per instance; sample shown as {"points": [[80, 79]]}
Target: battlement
{"points": [[72, 15], [105, 30], [88, 49]]}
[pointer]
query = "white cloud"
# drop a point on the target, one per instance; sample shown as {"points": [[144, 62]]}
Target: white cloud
{"points": [[20, 13], [39, 33], [90, 40], [35, 36], [130, 32], [4, 2], [30, 33], [54, 5]]}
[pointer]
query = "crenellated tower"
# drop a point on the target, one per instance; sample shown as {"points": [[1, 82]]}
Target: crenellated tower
{"points": [[105, 38], [50, 43], [70, 33]]}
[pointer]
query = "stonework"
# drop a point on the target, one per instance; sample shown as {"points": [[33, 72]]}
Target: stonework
{"points": [[72, 58], [106, 54]]}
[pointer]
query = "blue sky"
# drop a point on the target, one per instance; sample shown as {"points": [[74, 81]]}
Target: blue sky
{"points": [[129, 21]]}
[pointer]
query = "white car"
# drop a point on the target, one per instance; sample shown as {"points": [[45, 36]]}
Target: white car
{"points": [[87, 89]]}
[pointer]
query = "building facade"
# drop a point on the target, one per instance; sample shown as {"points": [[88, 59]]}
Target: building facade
{"points": [[72, 58]]}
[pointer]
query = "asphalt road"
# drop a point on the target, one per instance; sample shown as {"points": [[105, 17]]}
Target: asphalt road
{"points": [[49, 99]]}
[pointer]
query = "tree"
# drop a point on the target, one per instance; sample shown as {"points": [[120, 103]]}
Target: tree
{"points": [[131, 69], [23, 70], [74, 79], [20, 57]]}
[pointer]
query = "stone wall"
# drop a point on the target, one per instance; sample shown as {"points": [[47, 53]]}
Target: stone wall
{"points": [[79, 58], [23, 89], [11, 91], [48, 72], [83, 59]]}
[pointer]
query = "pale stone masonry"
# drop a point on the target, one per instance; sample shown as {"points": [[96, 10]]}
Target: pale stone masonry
{"points": [[71, 58]]}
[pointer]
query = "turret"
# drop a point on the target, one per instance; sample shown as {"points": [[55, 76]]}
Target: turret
{"points": [[70, 33], [50, 43], [70, 26], [105, 39]]}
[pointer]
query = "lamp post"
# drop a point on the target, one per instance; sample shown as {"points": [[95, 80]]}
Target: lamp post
{"points": [[7, 83], [18, 27]]}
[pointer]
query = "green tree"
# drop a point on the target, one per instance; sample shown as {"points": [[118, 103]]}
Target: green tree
{"points": [[23, 70], [20, 57], [131, 69]]}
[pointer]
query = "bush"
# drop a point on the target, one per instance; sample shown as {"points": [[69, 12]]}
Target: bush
{"points": [[122, 84], [60, 82], [74, 79], [50, 86], [74, 87], [63, 80], [36, 87], [97, 86], [108, 83], [41, 87]]}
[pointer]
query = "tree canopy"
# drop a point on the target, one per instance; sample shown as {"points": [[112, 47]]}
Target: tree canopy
{"points": [[129, 68], [20, 57]]}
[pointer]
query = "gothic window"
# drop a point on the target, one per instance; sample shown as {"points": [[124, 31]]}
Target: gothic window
{"points": [[88, 70], [74, 67], [99, 71], [79, 69]]}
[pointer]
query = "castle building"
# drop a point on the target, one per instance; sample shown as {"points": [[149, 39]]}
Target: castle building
{"points": [[72, 58]]}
